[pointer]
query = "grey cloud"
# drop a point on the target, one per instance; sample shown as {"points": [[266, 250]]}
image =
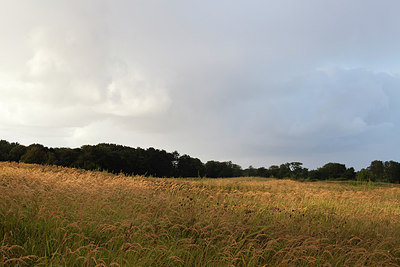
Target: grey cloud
{"points": [[258, 83], [330, 111]]}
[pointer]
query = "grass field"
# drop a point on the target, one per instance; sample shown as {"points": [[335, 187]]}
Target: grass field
{"points": [[59, 216]]}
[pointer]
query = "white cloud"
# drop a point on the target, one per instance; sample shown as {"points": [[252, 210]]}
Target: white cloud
{"points": [[255, 82], [70, 80], [131, 94]]}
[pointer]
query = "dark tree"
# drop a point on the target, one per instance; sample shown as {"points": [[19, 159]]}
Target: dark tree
{"points": [[35, 153], [332, 171], [5, 148], [377, 169], [251, 172], [159, 163], [68, 157], [51, 157], [297, 171], [274, 171], [216, 169], [212, 169], [190, 167], [17, 152], [350, 174], [364, 175], [314, 175], [392, 171], [284, 171], [236, 170], [263, 172]]}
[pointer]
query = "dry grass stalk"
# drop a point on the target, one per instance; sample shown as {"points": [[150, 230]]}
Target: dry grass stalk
{"points": [[58, 216]]}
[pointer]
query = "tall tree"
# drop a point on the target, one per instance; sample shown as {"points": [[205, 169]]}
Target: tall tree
{"points": [[377, 169], [392, 171]]}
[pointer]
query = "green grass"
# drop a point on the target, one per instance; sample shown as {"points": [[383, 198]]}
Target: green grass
{"points": [[60, 216]]}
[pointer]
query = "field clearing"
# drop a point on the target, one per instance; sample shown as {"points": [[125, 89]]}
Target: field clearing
{"points": [[59, 216]]}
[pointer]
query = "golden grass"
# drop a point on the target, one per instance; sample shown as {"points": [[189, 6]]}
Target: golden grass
{"points": [[59, 216]]}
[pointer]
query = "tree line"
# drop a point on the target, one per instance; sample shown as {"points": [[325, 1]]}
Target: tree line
{"points": [[160, 163]]}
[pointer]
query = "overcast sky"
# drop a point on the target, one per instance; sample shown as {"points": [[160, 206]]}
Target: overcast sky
{"points": [[257, 82]]}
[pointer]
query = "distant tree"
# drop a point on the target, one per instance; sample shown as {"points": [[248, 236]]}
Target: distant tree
{"points": [[190, 167], [68, 157], [159, 163], [154, 162], [51, 158], [110, 159], [256, 172], [35, 153], [263, 172], [251, 171], [274, 171], [212, 168], [90, 158], [17, 152], [216, 169], [236, 170], [5, 148], [350, 174], [314, 175], [332, 171], [377, 169], [297, 171], [284, 171], [364, 175], [227, 169], [392, 171]]}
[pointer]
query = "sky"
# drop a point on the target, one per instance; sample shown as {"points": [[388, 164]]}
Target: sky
{"points": [[257, 82]]}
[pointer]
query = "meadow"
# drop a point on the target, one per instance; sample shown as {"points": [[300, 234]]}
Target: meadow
{"points": [[59, 216]]}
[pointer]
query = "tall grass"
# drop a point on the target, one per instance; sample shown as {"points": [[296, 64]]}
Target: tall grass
{"points": [[60, 216]]}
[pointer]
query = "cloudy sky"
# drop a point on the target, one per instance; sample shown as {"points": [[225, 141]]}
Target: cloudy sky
{"points": [[258, 82]]}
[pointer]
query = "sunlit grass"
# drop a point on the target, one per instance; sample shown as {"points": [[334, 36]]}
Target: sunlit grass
{"points": [[60, 216]]}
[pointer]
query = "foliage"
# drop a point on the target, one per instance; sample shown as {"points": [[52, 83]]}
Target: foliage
{"points": [[392, 171], [35, 153], [190, 167], [365, 175], [215, 169], [16, 153], [377, 169], [160, 163], [332, 171]]}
